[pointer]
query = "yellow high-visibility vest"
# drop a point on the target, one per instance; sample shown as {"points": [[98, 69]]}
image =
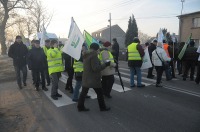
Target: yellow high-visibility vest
{"points": [[110, 57], [78, 66], [133, 53], [54, 59]]}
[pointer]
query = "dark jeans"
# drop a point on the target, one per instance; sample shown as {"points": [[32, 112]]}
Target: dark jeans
{"points": [[100, 98], [172, 63], [70, 72], [18, 69], [55, 79], [37, 74], [179, 66], [150, 71], [168, 73], [159, 72], [46, 74], [189, 65], [107, 84]]}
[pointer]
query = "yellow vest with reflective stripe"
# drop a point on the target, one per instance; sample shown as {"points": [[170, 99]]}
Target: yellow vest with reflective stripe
{"points": [[133, 53], [78, 66], [54, 59], [110, 56]]}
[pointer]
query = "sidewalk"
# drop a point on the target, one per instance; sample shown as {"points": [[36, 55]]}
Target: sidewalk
{"points": [[15, 112]]}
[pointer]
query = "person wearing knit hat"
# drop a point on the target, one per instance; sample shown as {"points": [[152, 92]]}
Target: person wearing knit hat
{"points": [[92, 78], [108, 72]]}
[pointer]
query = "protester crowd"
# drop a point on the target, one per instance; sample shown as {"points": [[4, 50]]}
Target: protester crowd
{"points": [[98, 64]]}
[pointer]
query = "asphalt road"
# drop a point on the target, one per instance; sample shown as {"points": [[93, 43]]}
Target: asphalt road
{"points": [[172, 108]]}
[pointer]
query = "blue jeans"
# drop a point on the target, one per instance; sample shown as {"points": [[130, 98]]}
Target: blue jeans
{"points": [[76, 90], [139, 76]]}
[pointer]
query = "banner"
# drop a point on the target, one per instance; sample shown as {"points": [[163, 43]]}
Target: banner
{"points": [[43, 37], [180, 56], [146, 60], [89, 39], [160, 36], [74, 43]]}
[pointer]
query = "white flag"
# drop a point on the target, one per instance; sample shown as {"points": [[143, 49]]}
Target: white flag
{"points": [[160, 36], [43, 37], [74, 43], [146, 60]]}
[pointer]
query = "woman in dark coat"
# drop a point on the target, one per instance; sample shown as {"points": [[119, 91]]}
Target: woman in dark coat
{"points": [[92, 78]]}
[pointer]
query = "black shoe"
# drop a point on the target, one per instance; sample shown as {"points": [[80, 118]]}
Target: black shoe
{"points": [[150, 77], [54, 97], [87, 96], [105, 109], [83, 109], [67, 88], [140, 86], [24, 84], [159, 85], [45, 89], [48, 84], [58, 95], [184, 79], [196, 81], [168, 79]]}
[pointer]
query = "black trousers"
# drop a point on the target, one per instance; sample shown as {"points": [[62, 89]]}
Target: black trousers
{"points": [[107, 84], [47, 77], [18, 70], [159, 72], [171, 63], [70, 72], [150, 71], [37, 74], [100, 98], [189, 65]]}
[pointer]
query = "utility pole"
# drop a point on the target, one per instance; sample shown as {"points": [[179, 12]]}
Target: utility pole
{"points": [[180, 21], [110, 25]]}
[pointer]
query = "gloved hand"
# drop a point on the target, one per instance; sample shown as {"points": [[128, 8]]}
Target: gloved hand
{"points": [[107, 63]]}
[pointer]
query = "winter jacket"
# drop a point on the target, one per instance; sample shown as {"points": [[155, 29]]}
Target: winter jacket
{"points": [[18, 52], [151, 48], [190, 54], [162, 54], [92, 68], [115, 50], [172, 51], [110, 70], [136, 63], [36, 59]]}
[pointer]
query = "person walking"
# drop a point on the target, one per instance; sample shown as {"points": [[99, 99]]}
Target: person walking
{"points": [[135, 54], [92, 78], [151, 48], [159, 55], [55, 67], [189, 59], [115, 50], [38, 63], [108, 73], [18, 51]]}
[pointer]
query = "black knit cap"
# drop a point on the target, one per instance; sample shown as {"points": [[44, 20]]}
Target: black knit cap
{"points": [[94, 46], [18, 37]]}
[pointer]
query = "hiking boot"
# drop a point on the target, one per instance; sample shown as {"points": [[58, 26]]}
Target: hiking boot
{"points": [[58, 95], [54, 97]]}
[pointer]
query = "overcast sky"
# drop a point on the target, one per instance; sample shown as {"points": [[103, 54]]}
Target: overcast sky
{"points": [[91, 15]]}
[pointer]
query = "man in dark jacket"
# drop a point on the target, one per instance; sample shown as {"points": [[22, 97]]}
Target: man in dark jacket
{"points": [[92, 78], [18, 51], [115, 50], [151, 48], [38, 63], [190, 59], [135, 55]]}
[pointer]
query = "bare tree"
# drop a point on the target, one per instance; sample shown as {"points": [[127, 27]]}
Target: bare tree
{"points": [[40, 16], [7, 7], [143, 37]]}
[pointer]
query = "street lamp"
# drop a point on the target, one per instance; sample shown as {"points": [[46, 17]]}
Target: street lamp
{"points": [[180, 21]]}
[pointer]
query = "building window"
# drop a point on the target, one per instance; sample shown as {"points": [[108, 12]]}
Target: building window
{"points": [[196, 22], [96, 34], [99, 34], [197, 42]]}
